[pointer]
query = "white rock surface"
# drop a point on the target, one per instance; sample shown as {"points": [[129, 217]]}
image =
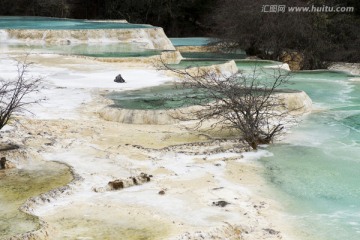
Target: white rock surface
{"points": [[151, 38], [352, 68]]}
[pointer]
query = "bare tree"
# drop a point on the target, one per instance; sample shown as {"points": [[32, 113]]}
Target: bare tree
{"points": [[14, 94], [246, 103]]}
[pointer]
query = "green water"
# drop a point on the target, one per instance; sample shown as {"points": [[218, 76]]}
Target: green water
{"points": [[161, 97], [61, 24], [196, 63], [109, 50], [191, 41], [202, 41], [17, 185], [169, 96], [316, 170], [213, 55], [251, 65]]}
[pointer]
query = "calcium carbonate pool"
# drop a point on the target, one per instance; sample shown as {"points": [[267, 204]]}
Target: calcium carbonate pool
{"points": [[102, 47]]}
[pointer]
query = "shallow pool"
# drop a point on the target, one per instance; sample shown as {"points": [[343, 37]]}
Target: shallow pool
{"points": [[191, 41], [103, 50], [17, 185], [166, 96], [62, 24]]}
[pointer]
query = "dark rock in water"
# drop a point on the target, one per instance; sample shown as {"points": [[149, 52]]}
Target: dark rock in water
{"points": [[220, 203], [119, 79]]}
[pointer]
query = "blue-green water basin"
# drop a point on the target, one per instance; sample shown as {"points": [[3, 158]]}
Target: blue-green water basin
{"points": [[45, 23], [256, 65], [243, 65], [213, 55], [196, 63], [192, 41], [105, 50], [316, 170], [201, 41], [166, 96], [171, 96]]}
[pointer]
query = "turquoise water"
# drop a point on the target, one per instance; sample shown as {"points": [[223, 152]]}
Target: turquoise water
{"points": [[244, 65], [109, 50], [247, 65], [213, 55], [195, 63], [168, 96], [61, 24], [316, 170], [165, 96], [191, 41], [202, 41], [104, 50]]}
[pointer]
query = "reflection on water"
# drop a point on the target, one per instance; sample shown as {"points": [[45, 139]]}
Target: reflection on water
{"points": [[17, 185]]}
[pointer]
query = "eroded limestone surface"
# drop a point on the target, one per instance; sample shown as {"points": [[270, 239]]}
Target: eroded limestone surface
{"points": [[150, 38]]}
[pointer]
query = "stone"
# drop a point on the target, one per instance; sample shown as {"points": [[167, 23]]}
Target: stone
{"points": [[131, 181], [117, 184], [220, 203], [146, 177], [119, 79], [294, 59]]}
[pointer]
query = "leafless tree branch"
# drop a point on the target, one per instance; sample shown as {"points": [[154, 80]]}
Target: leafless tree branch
{"points": [[242, 102], [13, 93]]}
